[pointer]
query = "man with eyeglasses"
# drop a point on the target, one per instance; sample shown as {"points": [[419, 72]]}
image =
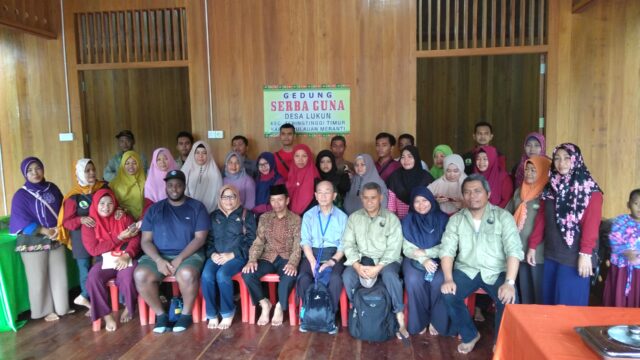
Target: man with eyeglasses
{"points": [[321, 241]]}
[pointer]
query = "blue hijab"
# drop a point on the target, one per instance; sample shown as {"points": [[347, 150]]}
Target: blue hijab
{"points": [[264, 182], [424, 231]]}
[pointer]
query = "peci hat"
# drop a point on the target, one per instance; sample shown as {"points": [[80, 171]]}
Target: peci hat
{"points": [[279, 189], [175, 174], [126, 133]]}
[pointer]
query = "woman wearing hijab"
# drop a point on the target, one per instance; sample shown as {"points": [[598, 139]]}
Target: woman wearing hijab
{"points": [[405, 179], [267, 177], [203, 176], [524, 207], [34, 218], [487, 164], [128, 185], [365, 172], [326, 164], [115, 244], [439, 153], [534, 144], [75, 213], [233, 229], [235, 174], [161, 163], [301, 180], [448, 188], [422, 229], [569, 221]]}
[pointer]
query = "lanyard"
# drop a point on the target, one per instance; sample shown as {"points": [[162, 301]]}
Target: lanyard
{"points": [[323, 231]]}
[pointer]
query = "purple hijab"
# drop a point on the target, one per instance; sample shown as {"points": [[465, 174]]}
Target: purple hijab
{"points": [[26, 209]]}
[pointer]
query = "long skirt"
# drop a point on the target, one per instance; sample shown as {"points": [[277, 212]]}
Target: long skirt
{"points": [[47, 280], [425, 302], [614, 288]]}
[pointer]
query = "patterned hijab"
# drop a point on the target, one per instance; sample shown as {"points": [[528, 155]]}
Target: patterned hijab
{"points": [[435, 171], [530, 192], [403, 181], [352, 200], [301, 181], [424, 230], [519, 176], [129, 189], [154, 187], [571, 192], [203, 181]]}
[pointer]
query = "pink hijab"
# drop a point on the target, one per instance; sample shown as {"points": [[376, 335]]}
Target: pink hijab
{"points": [[154, 187]]}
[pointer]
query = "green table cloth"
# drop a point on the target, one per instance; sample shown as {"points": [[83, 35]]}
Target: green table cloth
{"points": [[14, 292]]}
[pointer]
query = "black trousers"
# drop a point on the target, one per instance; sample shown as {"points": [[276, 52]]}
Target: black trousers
{"points": [[252, 280], [306, 279]]}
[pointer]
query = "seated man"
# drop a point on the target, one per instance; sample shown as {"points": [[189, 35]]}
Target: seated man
{"points": [[322, 229], [174, 231], [276, 249], [375, 233], [486, 241]]}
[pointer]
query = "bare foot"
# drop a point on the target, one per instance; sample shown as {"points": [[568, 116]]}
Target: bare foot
{"points": [[213, 323], [125, 317], [432, 330], [225, 323], [51, 317], [402, 331], [266, 310], [110, 322], [88, 313], [422, 331], [82, 301], [466, 348], [278, 315]]}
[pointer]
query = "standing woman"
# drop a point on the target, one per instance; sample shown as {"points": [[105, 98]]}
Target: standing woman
{"points": [[233, 229], [439, 153], [161, 163], [113, 238], [487, 164], [267, 177], [534, 144], [524, 207], [128, 185], [236, 175], [34, 218], [405, 179], [203, 176], [75, 213], [365, 172], [422, 229], [326, 164], [448, 188], [569, 219], [301, 180]]}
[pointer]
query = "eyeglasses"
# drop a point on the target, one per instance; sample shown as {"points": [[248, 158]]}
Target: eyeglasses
{"points": [[324, 193], [263, 164], [228, 197]]}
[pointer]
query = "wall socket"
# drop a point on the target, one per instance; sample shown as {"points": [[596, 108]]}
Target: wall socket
{"points": [[215, 134], [65, 136]]}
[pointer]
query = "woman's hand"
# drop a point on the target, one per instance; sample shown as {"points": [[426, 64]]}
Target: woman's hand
{"points": [[119, 213], [430, 265], [221, 258], [531, 257], [51, 233], [442, 199], [122, 261], [584, 266], [87, 221]]}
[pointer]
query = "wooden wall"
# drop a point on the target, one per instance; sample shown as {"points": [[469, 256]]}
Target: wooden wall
{"points": [[593, 95], [455, 93], [153, 103]]}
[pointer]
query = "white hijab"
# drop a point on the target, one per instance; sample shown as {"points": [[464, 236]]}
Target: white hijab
{"points": [[203, 181], [451, 189]]}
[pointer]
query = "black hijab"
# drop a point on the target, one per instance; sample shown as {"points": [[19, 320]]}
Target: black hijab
{"points": [[403, 181]]}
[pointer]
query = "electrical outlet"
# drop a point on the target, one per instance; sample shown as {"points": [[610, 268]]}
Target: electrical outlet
{"points": [[65, 136], [215, 134]]}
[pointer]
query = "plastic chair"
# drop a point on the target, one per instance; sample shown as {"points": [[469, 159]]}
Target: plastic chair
{"points": [[113, 290], [244, 299], [148, 316], [470, 301], [272, 279]]}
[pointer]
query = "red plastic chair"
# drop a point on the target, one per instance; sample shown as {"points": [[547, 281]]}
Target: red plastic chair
{"points": [[244, 299], [470, 301], [272, 279], [113, 290], [148, 316]]}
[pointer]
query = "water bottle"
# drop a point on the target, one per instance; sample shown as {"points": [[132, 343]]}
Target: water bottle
{"points": [[428, 276]]}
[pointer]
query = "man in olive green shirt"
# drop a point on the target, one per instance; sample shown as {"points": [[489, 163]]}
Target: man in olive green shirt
{"points": [[485, 239], [375, 234]]}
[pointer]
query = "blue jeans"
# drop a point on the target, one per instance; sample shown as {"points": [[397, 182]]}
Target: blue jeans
{"points": [[83, 272], [217, 278], [458, 312]]}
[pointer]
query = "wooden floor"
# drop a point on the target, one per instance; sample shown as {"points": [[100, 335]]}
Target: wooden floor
{"points": [[72, 338]]}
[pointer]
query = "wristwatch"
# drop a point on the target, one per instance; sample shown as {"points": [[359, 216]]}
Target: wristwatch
{"points": [[510, 282]]}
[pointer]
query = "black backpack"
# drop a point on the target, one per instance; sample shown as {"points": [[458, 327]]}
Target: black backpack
{"points": [[317, 313], [371, 318]]}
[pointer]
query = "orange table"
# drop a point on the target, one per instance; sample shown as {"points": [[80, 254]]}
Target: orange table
{"points": [[546, 332]]}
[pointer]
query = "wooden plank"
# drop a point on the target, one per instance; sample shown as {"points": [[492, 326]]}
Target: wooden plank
{"points": [[532, 22], [475, 24], [484, 23], [135, 65], [183, 31], [512, 24], [447, 30], [503, 22], [420, 28], [483, 51], [429, 24], [523, 17], [167, 34], [493, 23], [438, 12], [456, 24], [466, 24], [578, 6], [175, 34], [541, 23]]}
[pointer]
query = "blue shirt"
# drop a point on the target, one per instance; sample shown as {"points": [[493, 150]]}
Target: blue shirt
{"points": [[312, 228], [174, 227]]}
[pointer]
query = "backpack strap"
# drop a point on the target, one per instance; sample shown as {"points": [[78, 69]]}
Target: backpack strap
{"points": [[39, 198], [282, 161], [244, 216]]}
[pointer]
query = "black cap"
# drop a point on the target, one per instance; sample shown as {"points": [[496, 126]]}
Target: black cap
{"points": [[175, 174], [279, 189], [126, 133]]}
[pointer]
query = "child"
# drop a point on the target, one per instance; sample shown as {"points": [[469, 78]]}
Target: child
{"points": [[622, 287]]}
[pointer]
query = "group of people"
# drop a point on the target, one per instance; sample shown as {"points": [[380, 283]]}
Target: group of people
{"points": [[466, 223]]}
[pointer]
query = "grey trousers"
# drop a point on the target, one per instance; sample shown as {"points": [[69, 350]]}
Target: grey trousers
{"points": [[47, 279]]}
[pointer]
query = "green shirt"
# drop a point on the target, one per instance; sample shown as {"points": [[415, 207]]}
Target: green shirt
{"points": [[379, 238], [409, 248], [484, 251]]}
